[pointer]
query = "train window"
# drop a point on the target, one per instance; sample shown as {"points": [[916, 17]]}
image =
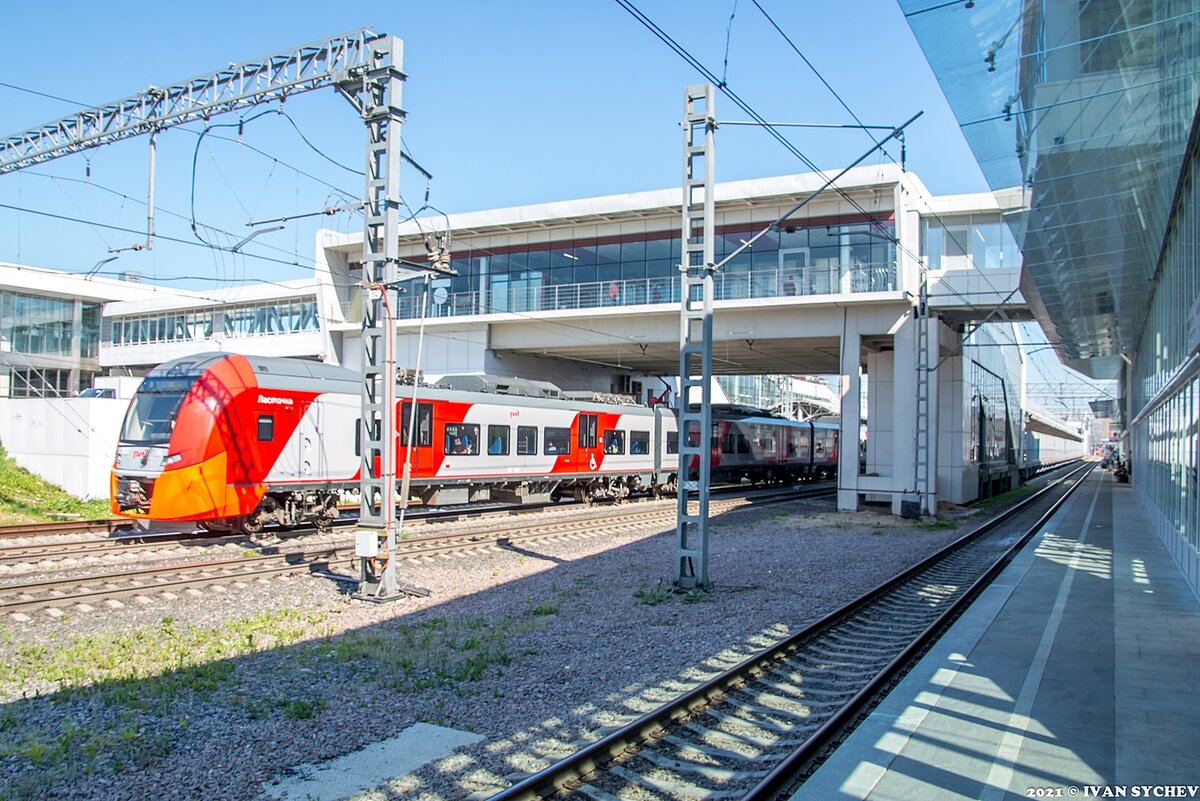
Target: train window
{"points": [[768, 445], [358, 437], [266, 427], [743, 444], [614, 441], [672, 442], [527, 440], [462, 439], [498, 440], [424, 423], [558, 440], [588, 423], [728, 442], [639, 442]]}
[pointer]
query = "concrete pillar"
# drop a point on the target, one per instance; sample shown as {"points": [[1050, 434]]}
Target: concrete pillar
{"points": [[880, 422], [851, 390], [76, 347]]}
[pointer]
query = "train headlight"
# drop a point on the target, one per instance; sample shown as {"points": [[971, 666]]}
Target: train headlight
{"points": [[172, 459]]}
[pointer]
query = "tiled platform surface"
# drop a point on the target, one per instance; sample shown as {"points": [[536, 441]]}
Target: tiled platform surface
{"points": [[1076, 674]]}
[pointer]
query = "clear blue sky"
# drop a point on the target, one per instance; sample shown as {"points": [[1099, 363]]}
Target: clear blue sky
{"points": [[508, 103]]}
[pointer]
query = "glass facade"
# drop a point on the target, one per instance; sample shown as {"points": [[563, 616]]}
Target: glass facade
{"points": [[234, 321], [1088, 106], [37, 334], [977, 241], [630, 271], [40, 325], [32, 383], [1091, 106], [1165, 384]]}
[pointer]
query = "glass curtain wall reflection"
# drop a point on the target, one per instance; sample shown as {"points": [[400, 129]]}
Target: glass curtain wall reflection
{"points": [[641, 270]]}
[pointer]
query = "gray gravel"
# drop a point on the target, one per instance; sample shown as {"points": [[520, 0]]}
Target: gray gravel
{"points": [[538, 649]]}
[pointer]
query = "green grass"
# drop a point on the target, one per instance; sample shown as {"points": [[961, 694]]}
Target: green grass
{"points": [[26, 498], [433, 652], [652, 596], [149, 666], [134, 675]]}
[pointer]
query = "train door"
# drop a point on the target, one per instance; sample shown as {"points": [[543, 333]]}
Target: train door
{"points": [[309, 464], [422, 449], [583, 456]]}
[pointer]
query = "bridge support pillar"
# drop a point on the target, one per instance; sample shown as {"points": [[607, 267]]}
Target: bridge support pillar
{"points": [[851, 392]]}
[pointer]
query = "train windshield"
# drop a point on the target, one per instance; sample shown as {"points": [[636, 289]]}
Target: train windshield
{"points": [[151, 415]]}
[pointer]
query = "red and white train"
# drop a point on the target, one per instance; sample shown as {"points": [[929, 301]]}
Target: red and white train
{"points": [[234, 442]]}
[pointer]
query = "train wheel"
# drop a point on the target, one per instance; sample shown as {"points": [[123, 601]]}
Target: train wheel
{"points": [[250, 524]]}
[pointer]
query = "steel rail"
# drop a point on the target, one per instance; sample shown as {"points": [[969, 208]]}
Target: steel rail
{"points": [[54, 551], [57, 592], [569, 773], [111, 525], [780, 779]]}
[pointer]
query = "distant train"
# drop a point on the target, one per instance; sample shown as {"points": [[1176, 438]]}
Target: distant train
{"points": [[236, 442]]}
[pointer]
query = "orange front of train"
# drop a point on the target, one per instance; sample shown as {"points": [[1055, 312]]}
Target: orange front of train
{"points": [[176, 458]]}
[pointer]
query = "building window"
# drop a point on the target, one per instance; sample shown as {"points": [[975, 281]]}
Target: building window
{"points": [[34, 383]]}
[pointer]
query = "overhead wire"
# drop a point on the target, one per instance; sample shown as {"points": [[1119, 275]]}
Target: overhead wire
{"points": [[46, 95], [871, 219], [967, 251]]}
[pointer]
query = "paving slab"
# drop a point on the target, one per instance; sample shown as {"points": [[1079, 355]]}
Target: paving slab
{"points": [[415, 747], [1075, 669]]}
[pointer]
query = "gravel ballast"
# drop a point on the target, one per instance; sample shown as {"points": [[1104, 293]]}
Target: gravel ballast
{"points": [[538, 648]]}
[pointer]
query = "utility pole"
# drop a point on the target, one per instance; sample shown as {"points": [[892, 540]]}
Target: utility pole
{"points": [[375, 93], [365, 68], [695, 337]]}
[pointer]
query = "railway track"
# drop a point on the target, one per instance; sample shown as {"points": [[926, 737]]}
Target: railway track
{"points": [[130, 539], [55, 528], [754, 732], [87, 592]]}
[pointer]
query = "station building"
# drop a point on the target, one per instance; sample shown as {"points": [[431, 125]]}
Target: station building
{"points": [[50, 325], [1093, 108], [585, 294]]}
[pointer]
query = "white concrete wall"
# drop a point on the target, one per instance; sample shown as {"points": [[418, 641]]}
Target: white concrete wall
{"points": [[67, 441]]}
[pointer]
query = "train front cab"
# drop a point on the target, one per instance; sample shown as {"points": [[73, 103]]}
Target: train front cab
{"points": [[172, 462]]}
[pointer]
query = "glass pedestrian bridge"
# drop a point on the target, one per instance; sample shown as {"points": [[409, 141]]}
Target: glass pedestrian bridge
{"points": [[526, 293]]}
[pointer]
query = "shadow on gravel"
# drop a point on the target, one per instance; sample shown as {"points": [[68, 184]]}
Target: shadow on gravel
{"points": [[538, 665]]}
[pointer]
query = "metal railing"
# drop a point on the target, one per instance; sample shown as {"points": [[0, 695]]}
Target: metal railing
{"points": [[525, 296]]}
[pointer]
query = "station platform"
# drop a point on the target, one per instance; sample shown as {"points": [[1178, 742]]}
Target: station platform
{"points": [[1076, 674]]}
